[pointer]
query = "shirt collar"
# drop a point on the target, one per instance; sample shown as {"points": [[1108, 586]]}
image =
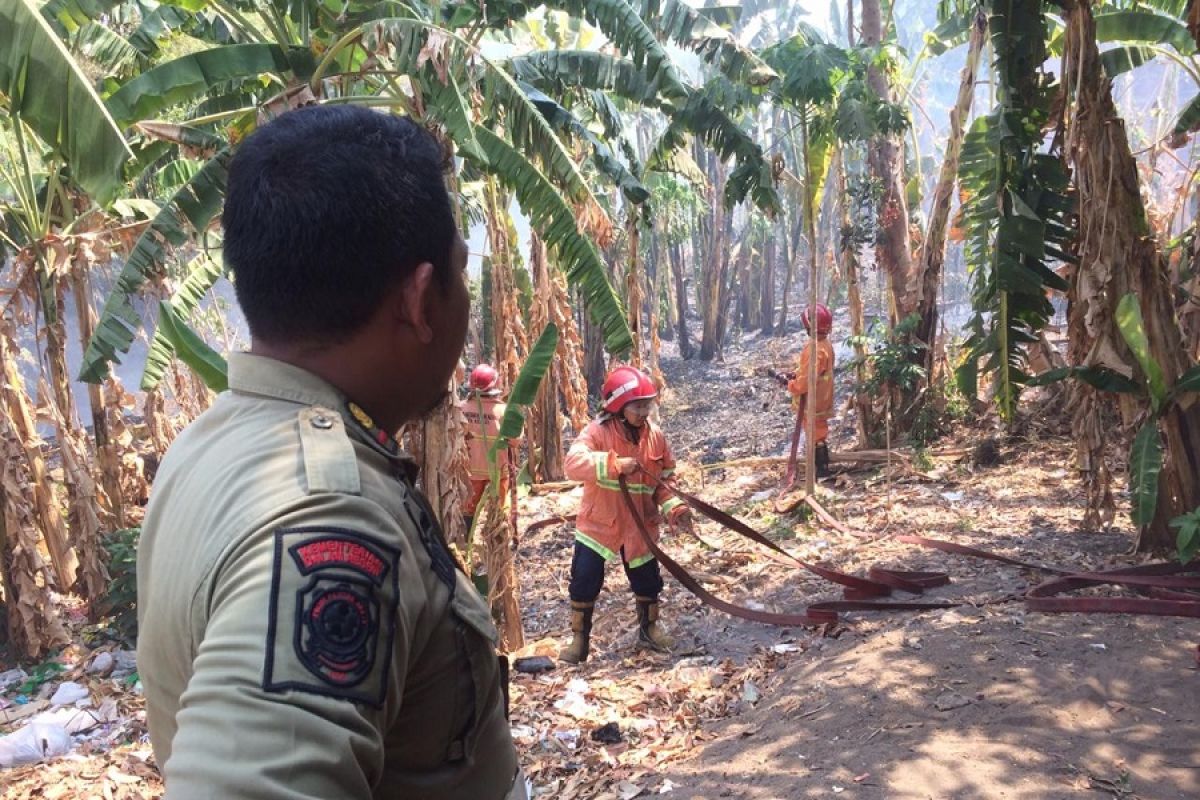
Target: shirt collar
{"points": [[269, 377]]}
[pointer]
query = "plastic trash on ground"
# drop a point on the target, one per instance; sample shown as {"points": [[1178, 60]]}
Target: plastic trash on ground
{"points": [[36, 742]]}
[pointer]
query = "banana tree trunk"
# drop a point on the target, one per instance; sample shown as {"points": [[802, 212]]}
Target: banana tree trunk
{"points": [[929, 264], [498, 529], [32, 615], [633, 288], [40, 492], [84, 515], [656, 299], [664, 275], [886, 157], [681, 301], [766, 309], [1119, 256], [106, 454], [729, 273], [545, 418], [715, 263]]}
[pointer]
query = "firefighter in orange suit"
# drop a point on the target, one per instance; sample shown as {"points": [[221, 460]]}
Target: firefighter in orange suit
{"points": [[621, 441], [822, 394], [483, 411]]}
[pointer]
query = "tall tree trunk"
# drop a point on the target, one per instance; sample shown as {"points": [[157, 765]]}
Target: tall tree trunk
{"points": [[633, 288], [716, 263], [863, 404], [886, 156], [664, 274], [766, 310], [1119, 256], [681, 300], [810, 230], [928, 275], [790, 258], [726, 287], [656, 298]]}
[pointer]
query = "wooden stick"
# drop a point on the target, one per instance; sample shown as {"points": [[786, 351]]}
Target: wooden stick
{"points": [[552, 487], [836, 456]]}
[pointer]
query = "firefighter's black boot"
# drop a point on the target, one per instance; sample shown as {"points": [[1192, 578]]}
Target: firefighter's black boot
{"points": [[822, 458]]}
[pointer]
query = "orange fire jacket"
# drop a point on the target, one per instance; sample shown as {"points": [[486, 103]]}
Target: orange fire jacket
{"points": [[483, 416], [604, 523], [823, 395]]}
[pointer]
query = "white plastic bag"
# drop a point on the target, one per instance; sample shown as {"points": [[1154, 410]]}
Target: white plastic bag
{"points": [[34, 743], [68, 694]]}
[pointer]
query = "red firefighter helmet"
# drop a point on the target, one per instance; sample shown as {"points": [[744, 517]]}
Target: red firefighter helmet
{"points": [[824, 320], [484, 379], [624, 385]]}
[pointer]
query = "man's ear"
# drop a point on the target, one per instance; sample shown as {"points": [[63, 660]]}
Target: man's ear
{"points": [[412, 308]]}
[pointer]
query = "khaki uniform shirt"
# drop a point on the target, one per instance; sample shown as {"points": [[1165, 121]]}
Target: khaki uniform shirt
{"points": [[304, 632]]}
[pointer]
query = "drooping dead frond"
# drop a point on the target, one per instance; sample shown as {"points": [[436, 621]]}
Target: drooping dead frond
{"points": [[438, 443], [159, 426], [510, 338], [34, 624], [545, 417], [134, 488], [503, 588], [84, 514]]}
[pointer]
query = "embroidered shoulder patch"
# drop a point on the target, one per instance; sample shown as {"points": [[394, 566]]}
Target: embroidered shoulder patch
{"points": [[333, 614]]}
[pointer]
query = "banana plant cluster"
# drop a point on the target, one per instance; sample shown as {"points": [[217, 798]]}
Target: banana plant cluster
{"points": [[1146, 452], [1019, 213]]}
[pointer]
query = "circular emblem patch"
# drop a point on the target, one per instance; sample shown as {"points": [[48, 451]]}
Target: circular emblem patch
{"points": [[337, 631]]}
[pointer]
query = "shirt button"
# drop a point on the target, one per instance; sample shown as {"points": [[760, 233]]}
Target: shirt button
{"points": [[322, 422]]}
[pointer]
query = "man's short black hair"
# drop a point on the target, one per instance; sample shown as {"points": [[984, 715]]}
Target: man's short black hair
{"points": [[327, 208]]}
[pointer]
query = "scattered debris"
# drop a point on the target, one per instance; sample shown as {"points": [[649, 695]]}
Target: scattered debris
{"points": [[609, 733], [533, 665], [948, 701]]}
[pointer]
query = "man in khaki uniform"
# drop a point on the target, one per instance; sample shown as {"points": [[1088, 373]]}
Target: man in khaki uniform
{"points": [[304, 632]]}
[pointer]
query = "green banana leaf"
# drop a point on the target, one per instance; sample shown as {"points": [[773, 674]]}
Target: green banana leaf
{"points": [[190, 209], [554, 220], [1125, 58], [192, 350], [1188, 382], [602, 157], [43, 85], [553, 71], [1142, 26], [192, 76], [1098, 377], [1145, 463], [202, 277], [405, 40], [525, 388], [690, 28], [1133, 331]]}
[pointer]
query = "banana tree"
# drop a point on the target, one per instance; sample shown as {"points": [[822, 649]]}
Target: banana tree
{"points": [[1018, 213], [496, 527], [496, 126], [1122, 310]]}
